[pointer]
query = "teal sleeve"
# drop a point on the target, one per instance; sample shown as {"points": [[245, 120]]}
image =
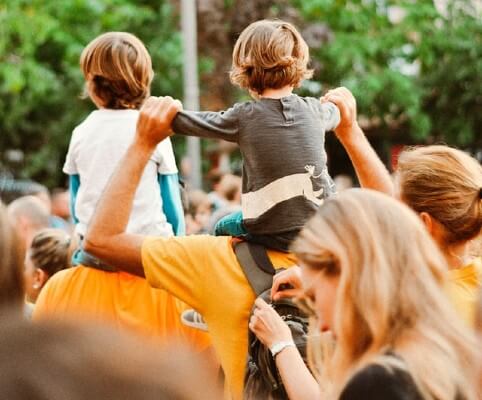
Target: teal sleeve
{"points": [[74, 184], [171, 202], [230, 225]]}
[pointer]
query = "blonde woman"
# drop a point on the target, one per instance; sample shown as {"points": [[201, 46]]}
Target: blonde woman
{"points": [[375, 279]]}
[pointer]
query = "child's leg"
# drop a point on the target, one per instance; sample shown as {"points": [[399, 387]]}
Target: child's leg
{"points": [[230, 225]]}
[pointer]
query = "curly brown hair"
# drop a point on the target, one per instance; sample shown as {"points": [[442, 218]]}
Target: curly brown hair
{"points": [[270, 54], [118, 70]]}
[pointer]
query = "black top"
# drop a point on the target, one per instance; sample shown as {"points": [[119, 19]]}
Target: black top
{"points": [[376, 382]]}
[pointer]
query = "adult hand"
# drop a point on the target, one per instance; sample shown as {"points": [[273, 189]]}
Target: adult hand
{"points": [[267, 325], [291, 277], [346, 103], [154, 123]]}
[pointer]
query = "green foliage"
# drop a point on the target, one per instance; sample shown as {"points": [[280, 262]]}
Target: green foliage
{"points": [[419, 75], [40, 79], [418, 71]]}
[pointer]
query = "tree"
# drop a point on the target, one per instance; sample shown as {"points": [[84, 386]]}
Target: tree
{"points": [[40, 79], [412, 69]]}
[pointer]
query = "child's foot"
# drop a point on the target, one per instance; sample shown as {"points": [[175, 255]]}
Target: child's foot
{"points": [[193, 319]]}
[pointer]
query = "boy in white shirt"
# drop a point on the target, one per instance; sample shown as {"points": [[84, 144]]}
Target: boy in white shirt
{"points": [[118, 73]]}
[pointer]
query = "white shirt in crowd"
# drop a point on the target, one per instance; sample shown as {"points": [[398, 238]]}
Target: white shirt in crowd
{"points": [[96, 147]]}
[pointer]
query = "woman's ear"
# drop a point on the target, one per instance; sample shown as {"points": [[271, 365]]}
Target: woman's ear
{"points": [[427, 221], [435, 228]]}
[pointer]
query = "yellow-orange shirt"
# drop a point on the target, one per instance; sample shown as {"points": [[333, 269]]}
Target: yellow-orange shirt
{"points": [[463, 288], [203, 272], [123, 300]]}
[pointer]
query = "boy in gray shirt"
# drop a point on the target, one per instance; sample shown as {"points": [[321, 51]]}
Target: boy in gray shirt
{"points": [[281, 135]]}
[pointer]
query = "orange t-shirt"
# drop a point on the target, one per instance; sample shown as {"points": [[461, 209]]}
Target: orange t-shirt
{"points": [[118, 298]]}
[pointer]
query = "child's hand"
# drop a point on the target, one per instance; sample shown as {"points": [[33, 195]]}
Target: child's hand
{"points": [[346, 103], [154, 123]]}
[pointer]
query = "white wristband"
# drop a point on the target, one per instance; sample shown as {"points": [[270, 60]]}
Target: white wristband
{"points": [[278, 347]]}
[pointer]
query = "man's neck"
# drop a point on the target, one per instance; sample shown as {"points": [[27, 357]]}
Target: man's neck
{"points": [[277, 93]]}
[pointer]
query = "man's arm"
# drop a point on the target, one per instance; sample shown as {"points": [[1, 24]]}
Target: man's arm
{"points": [[370, 170], [106, 237]]}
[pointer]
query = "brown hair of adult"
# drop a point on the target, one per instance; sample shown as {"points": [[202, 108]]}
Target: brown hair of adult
{"points": [[51, 250], [446, 183], [58, 360], [11, 257], [270, 54], [118, 70]]}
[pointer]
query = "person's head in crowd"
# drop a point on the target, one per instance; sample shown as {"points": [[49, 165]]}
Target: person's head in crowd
{"points": [[343, 182], [270, 54], [230, 188], [11, 283], [375, 278], [61, 203], [199, 212], [444, 186], [118, 71], [58, 360], [50, 252], [29, 215], [11, 189]]}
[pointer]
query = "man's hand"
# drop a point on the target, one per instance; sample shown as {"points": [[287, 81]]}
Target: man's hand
{"points": [[154, 123], [346, 103]]}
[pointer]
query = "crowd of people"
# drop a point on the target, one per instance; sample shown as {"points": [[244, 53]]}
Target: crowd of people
{"points": [[129, 285]]}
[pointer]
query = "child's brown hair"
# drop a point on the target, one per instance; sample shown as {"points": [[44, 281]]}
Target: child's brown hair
{"points": [[270, 54], [118, 70]]}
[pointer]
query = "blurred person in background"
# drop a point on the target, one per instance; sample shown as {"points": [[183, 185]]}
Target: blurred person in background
{"points": [[50, 252], [60, 199], [216, 194], [199, 212], [11, 283], [29, 215], [60, 360], [230, 186]]}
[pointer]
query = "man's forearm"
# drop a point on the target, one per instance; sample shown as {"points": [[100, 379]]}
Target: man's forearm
{"points": [[370, 170], [106, 234]]}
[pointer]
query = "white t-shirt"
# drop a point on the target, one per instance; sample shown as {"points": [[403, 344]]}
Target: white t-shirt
{"points": [[96, 147]]}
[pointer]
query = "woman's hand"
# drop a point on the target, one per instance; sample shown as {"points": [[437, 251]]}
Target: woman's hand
{"points": [[291, 278], [267, 325]]}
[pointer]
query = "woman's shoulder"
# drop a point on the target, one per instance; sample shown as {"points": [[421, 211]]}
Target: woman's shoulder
{"points": [[377, 381]]}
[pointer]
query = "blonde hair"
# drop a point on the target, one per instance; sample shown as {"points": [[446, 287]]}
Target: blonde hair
{"points": [[11, 281], [390, 295], [445, 183], [118, 70], [270, 54], [51, 250]]}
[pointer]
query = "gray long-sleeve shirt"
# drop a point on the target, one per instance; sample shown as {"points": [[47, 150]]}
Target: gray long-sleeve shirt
{"points": [[285, 177]]}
